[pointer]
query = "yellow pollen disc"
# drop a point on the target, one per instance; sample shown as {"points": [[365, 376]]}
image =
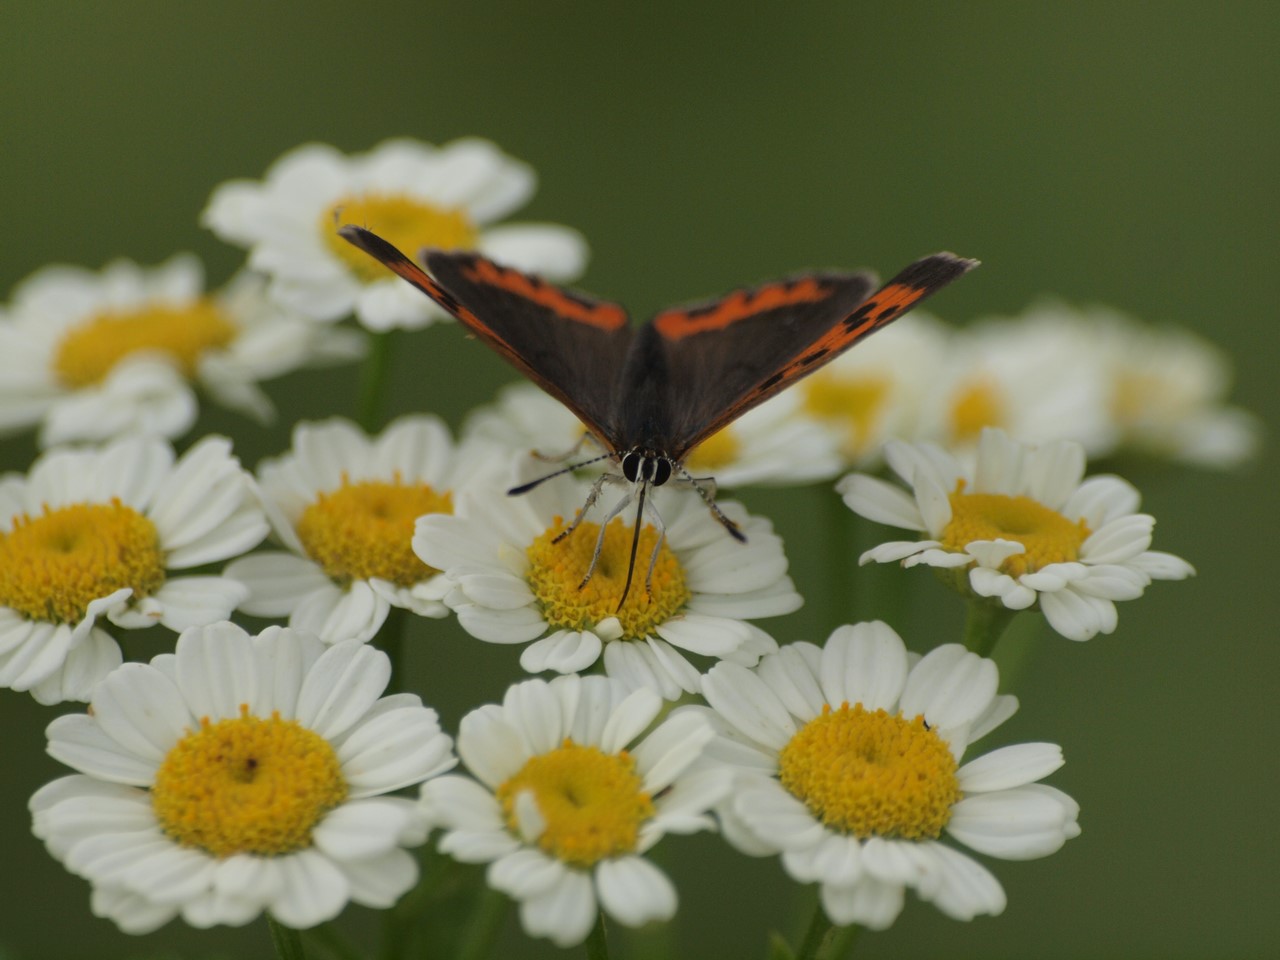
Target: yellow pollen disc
{"points": [[52, 566], [1135, 396], [89, 351], [978, 405], [718, 450], [556, 571], [872, 774], [364, 530], [247, 785], [857, 403], [406, 222], [592, 802], [1048, 536]]}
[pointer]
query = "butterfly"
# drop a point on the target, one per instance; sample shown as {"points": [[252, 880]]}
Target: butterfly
{"points": [[650, 394]]}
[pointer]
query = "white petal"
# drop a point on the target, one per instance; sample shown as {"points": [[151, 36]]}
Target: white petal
{"points": [[1074, 616], [364, 828], [277, 582], [1011, 766], [1023, 823], [565, 651], [1119, 540], [1162, 566], [555, 252], [565, 913], [868, 903], [314, 890], [865, 663], [341, 686], [196, 601], [746, 703], [634, 891], [880, 502], [961, 887]]}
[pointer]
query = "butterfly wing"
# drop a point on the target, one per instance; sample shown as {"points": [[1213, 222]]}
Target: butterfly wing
{"points": [[733, 354], [570, 345]]}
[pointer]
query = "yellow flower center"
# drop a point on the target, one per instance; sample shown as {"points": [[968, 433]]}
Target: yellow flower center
{"points": [[718, 450], [52, 566], [365, 530], [872, 774], [1135, 396], [247, 785], [406, 222], [556, 571], [592, 803], [90, 350], [1048, 536], [857, 403], [979, 404]]}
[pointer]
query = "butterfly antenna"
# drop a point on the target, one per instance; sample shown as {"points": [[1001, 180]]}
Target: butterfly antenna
{"points": [[526, 487], [709, 499], [635, 545]]}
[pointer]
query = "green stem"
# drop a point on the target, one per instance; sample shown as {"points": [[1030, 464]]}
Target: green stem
{"points": [[840, 554], [287, 941], [824, 940], [333, 942], [391, 642], [597, 941], [984, 624], [374, 375], [483, 926]]}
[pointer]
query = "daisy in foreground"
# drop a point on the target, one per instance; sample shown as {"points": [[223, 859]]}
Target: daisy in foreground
{"points": [[241, 774], [565, 806], [515, 584], [90, 535], [848, 765], [91, 355], [1021, 527], [413, 194], [344, 505]]}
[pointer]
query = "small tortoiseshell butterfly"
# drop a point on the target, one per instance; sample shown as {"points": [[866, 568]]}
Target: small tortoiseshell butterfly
{"points": [[650, 394]]}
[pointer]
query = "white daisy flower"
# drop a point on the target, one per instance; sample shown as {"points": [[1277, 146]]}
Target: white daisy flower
{"points": [[1021, 527], [771, 445], [413, 194], [568, 802], [91, 355], [241, 774], [90, 535], [848, 765], [868, 395], [1033, 378], [1168, 390], [515, 584], [344, 505]]}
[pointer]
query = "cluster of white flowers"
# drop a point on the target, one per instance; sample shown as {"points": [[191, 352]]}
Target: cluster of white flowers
{"points": [[247, 774]]}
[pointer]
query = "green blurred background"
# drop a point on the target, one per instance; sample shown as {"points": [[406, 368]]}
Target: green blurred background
{"points": [[1110, 152]]}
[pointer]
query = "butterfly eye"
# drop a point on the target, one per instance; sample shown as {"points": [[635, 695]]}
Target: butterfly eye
{"points": [[631, 464], [661, 471]]}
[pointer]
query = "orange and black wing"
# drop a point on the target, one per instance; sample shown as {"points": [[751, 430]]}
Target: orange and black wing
{"points": [[571, 345], [730, 355]]}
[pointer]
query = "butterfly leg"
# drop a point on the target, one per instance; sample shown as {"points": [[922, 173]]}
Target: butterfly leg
{"points": [[590, 502], [701, 484], [661, 527], [604, 523], [571, 452]]}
